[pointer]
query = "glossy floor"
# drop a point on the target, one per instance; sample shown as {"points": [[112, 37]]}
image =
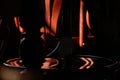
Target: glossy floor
{"points": [[12, 73]]}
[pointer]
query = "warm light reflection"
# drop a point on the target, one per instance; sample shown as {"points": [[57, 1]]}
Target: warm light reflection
{"points": [[52, 19], [81, 23], [47, 12], [15, 63], [9, 73], [48, 63], [88, 20], [91, 63], [55, 14], [45, 30], [17, 24], [21, 29], [88, 63]]}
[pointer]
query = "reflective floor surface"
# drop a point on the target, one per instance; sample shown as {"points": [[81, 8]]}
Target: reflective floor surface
{"points": [[12, 73]]}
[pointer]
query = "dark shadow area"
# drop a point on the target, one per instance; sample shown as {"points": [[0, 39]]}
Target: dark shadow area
{"points": [[23, 54]]}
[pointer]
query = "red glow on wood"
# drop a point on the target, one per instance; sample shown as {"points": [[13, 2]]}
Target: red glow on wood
{"points": [[17, 24], [88, 20], [81, 23], [55, 14], [47, 12], [16, 20], [52, 21]]}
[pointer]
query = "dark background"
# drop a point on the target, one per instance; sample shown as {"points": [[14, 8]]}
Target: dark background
{"points": [[104, 17]]}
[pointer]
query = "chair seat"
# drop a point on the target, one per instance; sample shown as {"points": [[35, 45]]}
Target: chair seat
{"points": [[14, 62], [50, 63], [99, 62]]}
